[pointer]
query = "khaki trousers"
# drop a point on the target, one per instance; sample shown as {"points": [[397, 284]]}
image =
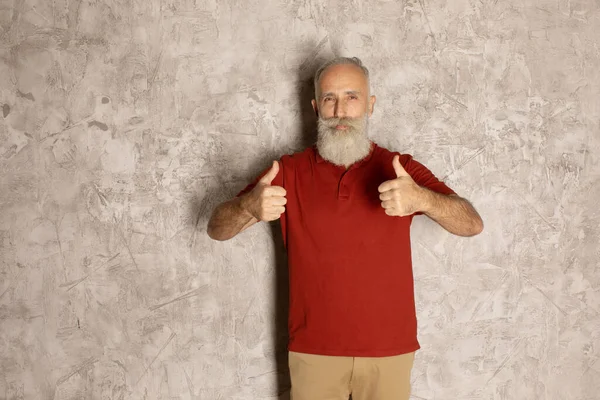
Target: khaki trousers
{"points": [[316, 377]]}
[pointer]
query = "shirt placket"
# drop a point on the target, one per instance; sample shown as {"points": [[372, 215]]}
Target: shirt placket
{"points": [[345, 182], [344, 187]]}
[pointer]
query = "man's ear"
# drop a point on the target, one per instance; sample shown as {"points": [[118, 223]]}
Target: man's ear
{"points": [[314, 105], [372, 101]]}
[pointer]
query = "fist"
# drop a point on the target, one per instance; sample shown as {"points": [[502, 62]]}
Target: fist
{"points": [[401, 196], [266, 202]]}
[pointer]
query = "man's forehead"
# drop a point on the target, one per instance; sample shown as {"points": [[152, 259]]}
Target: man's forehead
{"points": [[348, 77], [343, 72]]}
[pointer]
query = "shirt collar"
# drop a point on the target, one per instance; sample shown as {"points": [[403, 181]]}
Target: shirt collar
{"points": [[320, 159]]}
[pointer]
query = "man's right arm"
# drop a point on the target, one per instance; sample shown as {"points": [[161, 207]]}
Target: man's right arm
{"points": [[230, 218], [263, 203]]}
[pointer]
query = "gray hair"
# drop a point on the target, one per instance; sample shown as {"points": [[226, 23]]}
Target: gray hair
{"points": [[339, 61]]}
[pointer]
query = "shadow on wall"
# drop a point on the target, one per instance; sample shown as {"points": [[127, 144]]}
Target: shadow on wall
{"points": [[279, 327], [201, 210], [305, 91]]}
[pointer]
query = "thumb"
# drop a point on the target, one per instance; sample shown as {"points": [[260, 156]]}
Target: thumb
{"points": [[398, 168], [269, 176]]}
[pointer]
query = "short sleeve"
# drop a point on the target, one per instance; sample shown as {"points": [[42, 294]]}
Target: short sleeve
{"points": [[278, 181], [423, 176]]}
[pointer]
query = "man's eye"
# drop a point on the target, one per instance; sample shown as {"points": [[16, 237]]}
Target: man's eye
{"points": [[327, 99], [353, 97]]}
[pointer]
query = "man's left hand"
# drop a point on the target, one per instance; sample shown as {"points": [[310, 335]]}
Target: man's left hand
{"points": [[401, 196]]}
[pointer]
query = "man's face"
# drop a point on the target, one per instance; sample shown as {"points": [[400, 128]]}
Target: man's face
{"points": [[343, 106], [343, 92]]}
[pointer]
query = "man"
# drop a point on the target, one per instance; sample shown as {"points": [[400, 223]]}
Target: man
{"points": [[346, 206]]}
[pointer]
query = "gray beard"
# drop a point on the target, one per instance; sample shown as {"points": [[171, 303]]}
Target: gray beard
{"points": [[346, 147]]}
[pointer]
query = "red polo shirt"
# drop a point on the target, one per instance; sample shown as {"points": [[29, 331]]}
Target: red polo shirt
{"points": [[351, 280]]}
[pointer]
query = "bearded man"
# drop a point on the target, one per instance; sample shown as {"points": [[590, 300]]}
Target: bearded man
{"points": [[346, 206]]}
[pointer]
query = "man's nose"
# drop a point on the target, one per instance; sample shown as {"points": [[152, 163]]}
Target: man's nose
{"points": [[340, 110]]}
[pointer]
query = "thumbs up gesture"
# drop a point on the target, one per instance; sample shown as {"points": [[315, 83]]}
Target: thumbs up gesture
{"points": [[400, 196], [266, 202]]}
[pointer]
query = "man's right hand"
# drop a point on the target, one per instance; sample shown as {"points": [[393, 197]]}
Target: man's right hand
{"points": [[266, 202]]}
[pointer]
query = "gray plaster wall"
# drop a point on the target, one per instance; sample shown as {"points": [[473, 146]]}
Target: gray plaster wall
{"points": [[125, 122]]}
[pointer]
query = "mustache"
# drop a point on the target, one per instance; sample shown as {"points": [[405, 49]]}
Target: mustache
{"points": [[352, 123]]}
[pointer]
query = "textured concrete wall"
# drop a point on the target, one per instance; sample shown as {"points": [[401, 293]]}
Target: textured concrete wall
{"points": [[124, 122]]}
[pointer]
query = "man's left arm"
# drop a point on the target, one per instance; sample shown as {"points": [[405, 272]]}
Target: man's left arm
{"points": [[452, 212]]}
